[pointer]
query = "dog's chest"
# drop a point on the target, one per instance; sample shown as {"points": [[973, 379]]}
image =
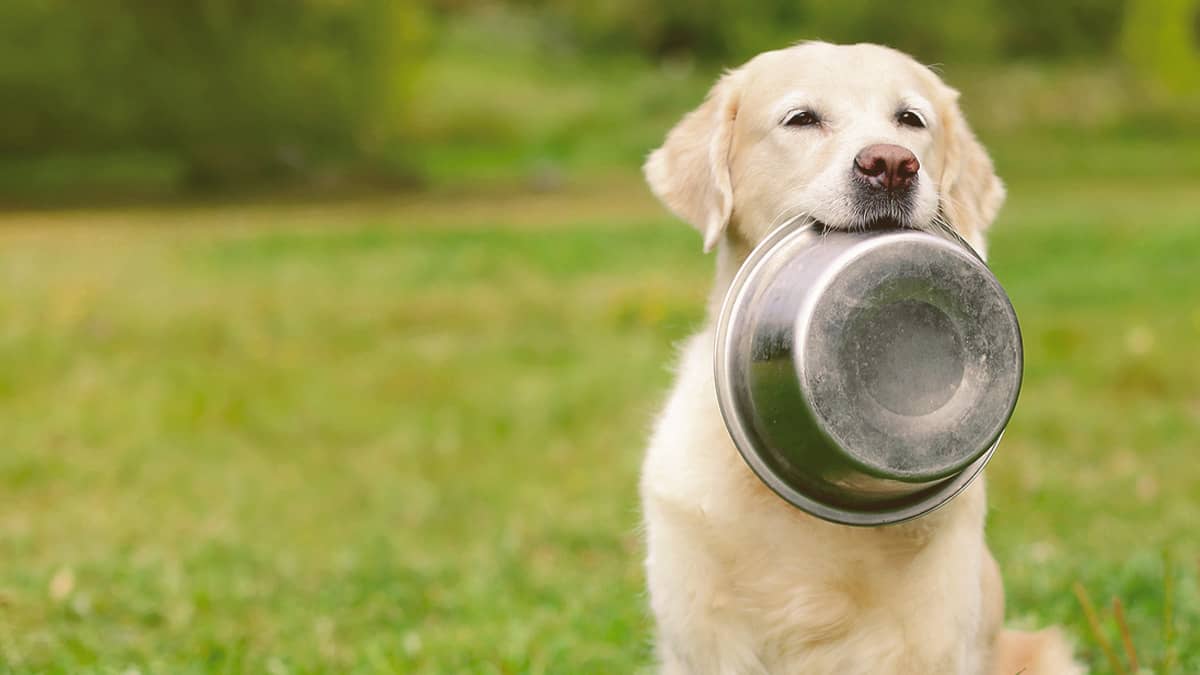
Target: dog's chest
{"points": [[731, 562], [909, 594], [824, 606]]}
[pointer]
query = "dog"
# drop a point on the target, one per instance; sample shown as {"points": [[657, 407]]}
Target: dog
{"points": [[740, 581]]}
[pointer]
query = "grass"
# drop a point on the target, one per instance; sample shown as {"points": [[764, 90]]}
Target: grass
{"points": [[403, 435]]}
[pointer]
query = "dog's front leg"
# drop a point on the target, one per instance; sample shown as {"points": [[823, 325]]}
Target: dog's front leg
{"points": [[699, 633]]}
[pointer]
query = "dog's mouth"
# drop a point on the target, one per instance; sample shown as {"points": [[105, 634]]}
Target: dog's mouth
{"points": [[882, 224], [885, 223]]}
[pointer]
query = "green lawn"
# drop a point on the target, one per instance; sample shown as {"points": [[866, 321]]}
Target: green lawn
{"points": [[403, 436]]}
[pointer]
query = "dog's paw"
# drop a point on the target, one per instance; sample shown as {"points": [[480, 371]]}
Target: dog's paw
{"points": [[1046, 652]]}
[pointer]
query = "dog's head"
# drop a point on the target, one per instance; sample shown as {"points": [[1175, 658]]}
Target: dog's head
{"points": [[850, 136]]}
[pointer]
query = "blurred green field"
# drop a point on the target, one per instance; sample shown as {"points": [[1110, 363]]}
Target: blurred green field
{"points": [[402, 435], [331, 332]]}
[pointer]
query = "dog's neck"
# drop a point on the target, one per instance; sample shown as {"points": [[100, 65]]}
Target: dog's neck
{"points": [[732, 251]]}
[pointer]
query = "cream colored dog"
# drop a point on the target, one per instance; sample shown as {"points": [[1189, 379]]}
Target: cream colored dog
{"points": [[740, 581]]}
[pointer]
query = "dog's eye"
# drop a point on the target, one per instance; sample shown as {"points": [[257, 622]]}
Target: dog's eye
{"points": [[801, 118], [910, 118]]}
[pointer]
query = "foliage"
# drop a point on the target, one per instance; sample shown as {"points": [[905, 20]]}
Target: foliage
{"points": [[977, 30], [219, 93], [235, 89], [1162, 39]]}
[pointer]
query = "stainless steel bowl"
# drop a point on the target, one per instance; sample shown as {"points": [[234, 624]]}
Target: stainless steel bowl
{"points": [[866, 377]]}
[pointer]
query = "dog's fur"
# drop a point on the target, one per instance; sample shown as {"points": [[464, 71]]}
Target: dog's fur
{"points": [[740, 581]]}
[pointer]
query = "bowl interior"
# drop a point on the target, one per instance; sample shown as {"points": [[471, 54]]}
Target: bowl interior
{"points": [[911, 358]]}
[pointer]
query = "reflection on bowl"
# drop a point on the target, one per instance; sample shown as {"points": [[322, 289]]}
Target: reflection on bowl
{"points": [[866, 377]]}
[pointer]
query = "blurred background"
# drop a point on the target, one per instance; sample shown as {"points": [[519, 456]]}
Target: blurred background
{"points": [[331, 330]]}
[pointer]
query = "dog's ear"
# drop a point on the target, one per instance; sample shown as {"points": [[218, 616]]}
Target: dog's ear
{"points": [[690, 172], [971, 192]]}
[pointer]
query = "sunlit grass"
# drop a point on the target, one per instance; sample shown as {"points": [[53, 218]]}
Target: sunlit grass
{"points": [[404, 436]]}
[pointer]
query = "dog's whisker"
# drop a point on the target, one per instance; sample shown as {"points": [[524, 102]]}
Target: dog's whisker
{"points": [[788, 214], [944, 225]]}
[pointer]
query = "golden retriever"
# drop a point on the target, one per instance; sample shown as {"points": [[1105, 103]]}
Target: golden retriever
{"points": [[739, 580]]}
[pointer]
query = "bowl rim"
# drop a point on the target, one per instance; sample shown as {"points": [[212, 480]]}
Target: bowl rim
{"points": [[746, 440]]}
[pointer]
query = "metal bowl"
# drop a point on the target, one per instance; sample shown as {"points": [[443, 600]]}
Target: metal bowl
{"points": [[866, 377]]}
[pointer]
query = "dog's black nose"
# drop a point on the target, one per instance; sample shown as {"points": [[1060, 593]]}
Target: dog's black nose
{"points": [[886, 167]]}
